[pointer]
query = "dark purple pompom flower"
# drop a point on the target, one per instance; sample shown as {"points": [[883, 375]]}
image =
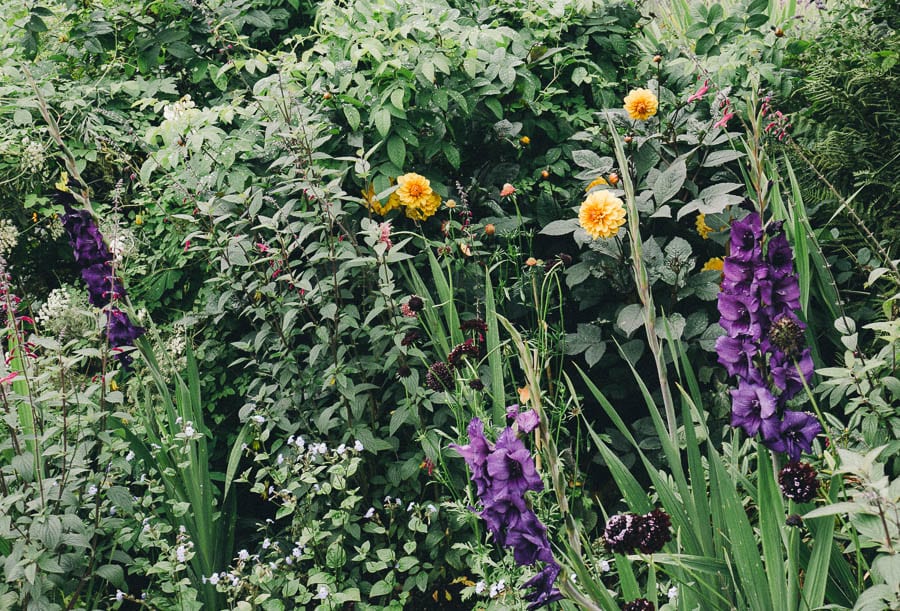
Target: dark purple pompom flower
{"points": [[653, 531], [621, 533], [798, 482], [751, 405], [439, 377], [641, 604], [467, 349], [793, 435]]}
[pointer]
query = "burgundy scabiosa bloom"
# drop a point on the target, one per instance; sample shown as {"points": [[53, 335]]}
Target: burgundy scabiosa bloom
{"points": [[654, 531], [621, 534], [439, 377], [467, 349], [798, 482], [764, 342], [473, 324], [410, 338], [641, 604], [415, 303]]}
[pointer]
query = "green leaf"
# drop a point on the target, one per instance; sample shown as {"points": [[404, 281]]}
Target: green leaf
{"points": [[380, 588], [112, 573], [669, 182], [717, 158], [352, 116], [22, 117], [494, 106], [382, 120], [560, 227], [396, 149], [630, 318]]}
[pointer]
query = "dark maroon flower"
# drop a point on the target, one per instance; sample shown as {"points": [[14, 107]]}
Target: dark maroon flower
{"points": [[786, 334], [621, 532], [798, 482], [653, 531], [404, 371], [473, 324], [793, 435], [415, 303], [794, 520], [751, 405], [641, 604], [439, 377], [476, 384], [467, 349], [410, 338]]}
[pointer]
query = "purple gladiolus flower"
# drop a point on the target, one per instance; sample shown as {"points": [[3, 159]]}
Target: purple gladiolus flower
{"points": [[746, 236], [121, 332], [739, 315], [527, 421], [793, 435], [544, 592], [764, 347], [503, 473], [750, 406]]}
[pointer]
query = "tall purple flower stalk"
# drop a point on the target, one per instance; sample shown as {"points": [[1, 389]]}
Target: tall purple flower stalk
{"points": [[502, 474], [104, 288], [764, 347]]}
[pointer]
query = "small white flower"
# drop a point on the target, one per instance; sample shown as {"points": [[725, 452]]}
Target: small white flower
{"points": [[235, 581], [358, 446], [493, 591], [189, 429], [120, 595], [290, 440], [280, 459], [410, 507], [397, 501], [288, 560], [92, 490], [130, 456], [672, 594], [180, 553], [341, 450], [316, 487], [266, 543], [480, 587], [369, 513], [214, 578], [243, 555], [297, 551], [323, 592], [604, 566], [430, 509], [258, 419]]}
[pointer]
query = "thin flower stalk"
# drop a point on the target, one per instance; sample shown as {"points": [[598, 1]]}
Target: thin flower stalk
{"points": [[642, 283]]}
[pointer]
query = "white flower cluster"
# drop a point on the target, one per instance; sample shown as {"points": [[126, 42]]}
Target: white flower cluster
{"points": [[173, 112], [9, 236], [33, 157], [66, 313], [58, 301]]}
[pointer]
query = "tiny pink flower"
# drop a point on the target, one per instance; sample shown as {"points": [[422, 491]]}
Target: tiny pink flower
{"points": [[407, 311], [724, 120], [700, 93], [507, 190], [262, 246], [385, 234]]}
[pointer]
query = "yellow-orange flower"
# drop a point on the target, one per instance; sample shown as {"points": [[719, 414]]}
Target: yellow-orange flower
{"points": [[641, 104], [375, 205], [715, 263], [702, 228], [415, 193], [601, 214], [599, 181]]}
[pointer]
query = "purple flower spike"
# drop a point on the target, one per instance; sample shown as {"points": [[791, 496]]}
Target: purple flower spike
{"points": [[785, 373], [736, 354], [512, 411], [121, 332], [780, 256], [793, 435], [475, 454], [751, 405]]}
